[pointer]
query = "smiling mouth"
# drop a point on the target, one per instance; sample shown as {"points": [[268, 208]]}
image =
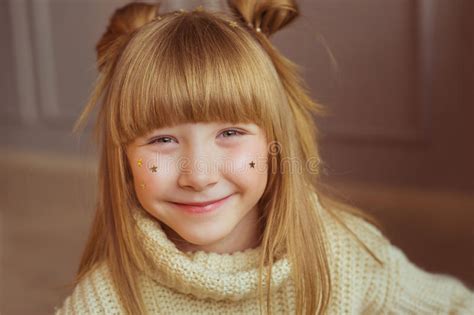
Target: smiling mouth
{"points": [[201, 204], [208, 207]]}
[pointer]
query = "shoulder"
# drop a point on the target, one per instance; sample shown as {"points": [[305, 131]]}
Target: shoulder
{"points": [[94, 294], [350, 234], [358, 254], [397, 285]]}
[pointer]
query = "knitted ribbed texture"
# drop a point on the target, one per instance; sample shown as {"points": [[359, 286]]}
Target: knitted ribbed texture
{"points": [[211, 283], [204, 275]]}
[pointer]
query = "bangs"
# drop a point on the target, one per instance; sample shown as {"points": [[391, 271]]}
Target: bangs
{"points": [[191, 68]]}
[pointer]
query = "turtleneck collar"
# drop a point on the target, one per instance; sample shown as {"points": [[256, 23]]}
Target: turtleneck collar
{"points": [[204, 274]]}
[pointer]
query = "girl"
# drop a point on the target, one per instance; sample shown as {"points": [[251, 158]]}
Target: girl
{"points": [[209, 199]]}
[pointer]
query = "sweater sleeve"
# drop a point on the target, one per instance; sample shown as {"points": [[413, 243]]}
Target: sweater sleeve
{"points": [[398, 286], [412, 290]]}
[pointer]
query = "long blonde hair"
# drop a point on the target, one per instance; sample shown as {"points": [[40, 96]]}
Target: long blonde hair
{"points": [[157, 70]]}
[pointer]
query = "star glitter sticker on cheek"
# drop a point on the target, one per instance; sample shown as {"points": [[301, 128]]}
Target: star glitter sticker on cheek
{"points": [[154, 168], [140, 162]]}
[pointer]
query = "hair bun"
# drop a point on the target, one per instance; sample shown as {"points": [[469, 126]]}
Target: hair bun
{"points": [[123, 22], [269, 15]]}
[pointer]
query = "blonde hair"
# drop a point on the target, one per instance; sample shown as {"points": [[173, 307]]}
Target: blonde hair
{"points": [[160, 70]]}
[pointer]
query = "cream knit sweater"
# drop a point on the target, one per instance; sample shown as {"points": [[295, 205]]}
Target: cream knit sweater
{"points": [[210, 283]]}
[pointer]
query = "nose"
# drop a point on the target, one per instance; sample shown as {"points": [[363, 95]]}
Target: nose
{"points": [[197, 171]]}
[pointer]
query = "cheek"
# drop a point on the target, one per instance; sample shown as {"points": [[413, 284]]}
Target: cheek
{"points": [[149, 174], [247, 166]]}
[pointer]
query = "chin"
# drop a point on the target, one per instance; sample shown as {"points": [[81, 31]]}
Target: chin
{"points": [[203, 235]]}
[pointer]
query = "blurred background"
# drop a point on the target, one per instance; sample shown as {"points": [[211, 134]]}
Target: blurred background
{"points": [[396, 75]]}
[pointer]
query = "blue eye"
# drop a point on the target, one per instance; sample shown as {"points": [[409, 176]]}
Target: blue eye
{"points": [[229, 132], [233, 131], [158, 140]]}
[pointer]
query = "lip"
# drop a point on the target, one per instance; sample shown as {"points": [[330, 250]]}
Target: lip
{"points": [[202, 207]]}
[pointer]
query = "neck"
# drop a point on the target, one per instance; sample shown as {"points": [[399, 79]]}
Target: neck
{"points": [[248, 236]]}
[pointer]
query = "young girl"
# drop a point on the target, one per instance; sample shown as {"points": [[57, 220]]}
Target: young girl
{"points": [[209, 199]]}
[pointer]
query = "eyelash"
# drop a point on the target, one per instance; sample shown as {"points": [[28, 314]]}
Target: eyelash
{"points": [[156, 140]]}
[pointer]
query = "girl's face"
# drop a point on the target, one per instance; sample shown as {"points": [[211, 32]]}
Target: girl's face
{"points": [[202, 162]]}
